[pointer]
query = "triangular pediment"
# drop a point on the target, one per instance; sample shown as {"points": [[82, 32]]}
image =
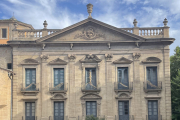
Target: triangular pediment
{"points": [[58, 61], [29, 61], [58, 96], [90, 30], [90, 96], [122, 60], [90, 59], [151, 60]]}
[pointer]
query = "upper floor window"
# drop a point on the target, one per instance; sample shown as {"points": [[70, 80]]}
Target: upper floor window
{"points": [[123, 82], [91, 108], [151, 77], [4, 33], [30, 79], [90, 79], [152, 110], [9, 66], [58, 78]]}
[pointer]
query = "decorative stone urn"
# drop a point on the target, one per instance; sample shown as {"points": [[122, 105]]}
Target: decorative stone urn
{"points": [[89, 9]]}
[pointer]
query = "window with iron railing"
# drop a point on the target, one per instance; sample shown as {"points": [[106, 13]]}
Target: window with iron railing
{"points": [[123, 81]]}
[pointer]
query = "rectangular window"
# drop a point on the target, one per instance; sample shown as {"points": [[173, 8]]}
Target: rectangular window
{"points": [[152, 110], [91, 79], [58, 78], [30, 110], [123, 110], [91, 108], [151, 77], [58, 110], [9, 66], [30, 79], [123, 82], [4, 33]]}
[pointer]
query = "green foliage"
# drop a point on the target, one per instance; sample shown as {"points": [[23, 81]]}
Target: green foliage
{"points": [[175, 84], [91, 117]]}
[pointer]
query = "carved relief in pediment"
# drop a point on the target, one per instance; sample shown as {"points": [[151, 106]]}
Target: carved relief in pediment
{"points": [[89, 33], [58, 96], [123, 96], [90, 96], [122, 60], [58, 61], [151, 60], [29, 61], [90, 59]]}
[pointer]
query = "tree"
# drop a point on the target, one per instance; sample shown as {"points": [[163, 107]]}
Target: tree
{"points": [[175, 83]]}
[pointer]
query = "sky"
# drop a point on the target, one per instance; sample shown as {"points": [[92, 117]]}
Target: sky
{"points": [[119, 13]]}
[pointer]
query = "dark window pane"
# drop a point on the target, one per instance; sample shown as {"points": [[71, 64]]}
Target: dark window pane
{"points": [[4, 33], [9, 66]]}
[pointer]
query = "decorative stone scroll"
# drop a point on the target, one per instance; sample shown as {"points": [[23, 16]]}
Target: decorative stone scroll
{"points": [[123, 96], [89, 33], [90, 58], [72, 57], [44, 57], [58, 61], [29, 61], [122, 60], [151, 60], [108, 57], [136, 56]]}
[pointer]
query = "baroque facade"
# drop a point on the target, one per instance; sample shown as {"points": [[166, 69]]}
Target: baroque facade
{"points": [[91, 68]]}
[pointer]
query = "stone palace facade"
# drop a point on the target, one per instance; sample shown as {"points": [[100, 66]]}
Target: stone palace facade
{"points": [[91, 68]]}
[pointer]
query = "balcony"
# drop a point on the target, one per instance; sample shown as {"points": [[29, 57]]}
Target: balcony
{"points": [[119, 87], [89, 87], [52, 118], [149, 87], [60, 88], [124, 117], [101, 117], [158, 117], [32, 89]]}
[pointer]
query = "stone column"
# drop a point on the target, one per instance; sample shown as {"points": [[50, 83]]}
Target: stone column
{"points": [[137, 87], [109, 87], [167, 83], [43, 88], [72, 94]]}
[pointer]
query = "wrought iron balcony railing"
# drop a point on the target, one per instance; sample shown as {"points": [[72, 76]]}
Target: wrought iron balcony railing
{"points": [[118, 86], [150, 87], [31, 87], [89, 87], [64, 118], [124, 117], [35, 118], [61, 87], [158, 117], [101, 117]]}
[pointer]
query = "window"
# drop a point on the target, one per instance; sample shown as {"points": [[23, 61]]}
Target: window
{"points": [[58, 110], [123, 110], [123, 82], [4, 33], [30, 110], [152, 110], [90, 79], [9, 66], [58, 78], [151, 77], [91, 108], [30, 79]]}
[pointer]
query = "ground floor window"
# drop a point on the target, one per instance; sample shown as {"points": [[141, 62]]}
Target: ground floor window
{"points": [[152, 110], [58, 110], [91, 108], [123, 107], [30, 110]]}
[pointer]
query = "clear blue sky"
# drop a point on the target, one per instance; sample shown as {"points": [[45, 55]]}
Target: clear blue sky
{"points": [[119, 13]]}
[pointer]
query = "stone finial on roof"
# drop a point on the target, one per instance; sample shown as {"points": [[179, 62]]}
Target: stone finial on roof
{"points": [[165, 22], [135, 23], [89, 9], [45, 24]]}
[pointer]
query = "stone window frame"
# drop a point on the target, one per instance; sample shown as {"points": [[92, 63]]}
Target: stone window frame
{"points": [[6, 32], [153, 98], [24, 67], [65, 71], [123, 99], [24, 104], [90, 65], [129, 72], [151, 65]]}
